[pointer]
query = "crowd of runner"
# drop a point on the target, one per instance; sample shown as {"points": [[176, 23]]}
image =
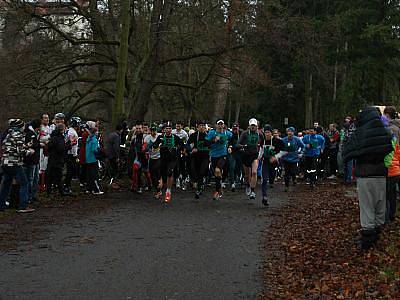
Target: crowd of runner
{"points": [[47, 156]]}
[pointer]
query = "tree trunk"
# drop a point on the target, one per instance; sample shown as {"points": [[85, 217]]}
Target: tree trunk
{"points": [[118, 107], [223, 80], [335, 76], [237, 113], [309, 102], [159, 24]]}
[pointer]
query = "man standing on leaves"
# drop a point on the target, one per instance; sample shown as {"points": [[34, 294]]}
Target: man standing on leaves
{"points": [[368, 145], [170, 148], [251, 141], [200, 152], [219, 138]]}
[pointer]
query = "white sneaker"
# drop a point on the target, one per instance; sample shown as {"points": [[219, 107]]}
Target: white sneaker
{"points": [[233, 187], [178, 184], [248, 190], [252, 196], [98, 193]]}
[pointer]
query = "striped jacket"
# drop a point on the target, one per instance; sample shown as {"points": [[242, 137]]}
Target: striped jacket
{"points": [[13, 151]]}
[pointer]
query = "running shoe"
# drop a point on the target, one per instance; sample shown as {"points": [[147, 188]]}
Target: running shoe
{"points": [[233, 187], [248, 190], [167, 197], [158, 195], [98, 193], [216, 196], [252, 196], [265, 201], [25, 210]]}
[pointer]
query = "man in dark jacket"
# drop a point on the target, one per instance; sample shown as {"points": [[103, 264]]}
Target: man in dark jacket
{"points": [[31, 162], [57, 152], [368, 145]]}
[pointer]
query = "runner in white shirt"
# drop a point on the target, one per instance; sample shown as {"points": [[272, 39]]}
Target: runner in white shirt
{"points": [[182, 169]]}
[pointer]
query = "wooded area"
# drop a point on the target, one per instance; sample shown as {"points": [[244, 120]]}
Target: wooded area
{"points": [[304, 60]]}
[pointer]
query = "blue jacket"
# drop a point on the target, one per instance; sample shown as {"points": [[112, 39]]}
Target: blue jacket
{"points": [[314, 144], [220, 148], [293, 147], [92, 146]]}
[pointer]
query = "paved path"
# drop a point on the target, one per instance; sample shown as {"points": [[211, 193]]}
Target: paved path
{"points": [[131, 247]]}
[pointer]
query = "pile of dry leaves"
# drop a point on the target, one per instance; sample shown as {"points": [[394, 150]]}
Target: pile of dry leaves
{"points": [[311, 250]]}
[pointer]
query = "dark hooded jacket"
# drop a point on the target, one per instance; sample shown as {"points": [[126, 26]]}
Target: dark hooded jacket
{"points": [[369, 144], [57, 149]]}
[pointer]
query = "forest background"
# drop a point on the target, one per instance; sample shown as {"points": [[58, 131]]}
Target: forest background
{"points": [[304, 60]]}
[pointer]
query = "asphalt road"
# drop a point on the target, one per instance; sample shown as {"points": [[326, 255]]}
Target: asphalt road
{"points": [[125, 246]]}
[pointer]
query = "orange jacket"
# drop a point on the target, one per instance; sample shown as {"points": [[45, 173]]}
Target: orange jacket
{"points": [[393, 162]]}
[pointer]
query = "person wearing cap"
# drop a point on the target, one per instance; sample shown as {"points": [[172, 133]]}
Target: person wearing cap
{"points": [[82, 155], [270, 153], [170, 146], [59, 118], [250, 142], [14, 151], [92, 162], [314, 146], [234, 157], [200, 152], [293, 147], [57, 149], [219, 139], [154, 160]]}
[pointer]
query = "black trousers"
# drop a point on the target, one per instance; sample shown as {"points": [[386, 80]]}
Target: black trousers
{"points": [[112, 168], [311, 168], [92, 173], [290, 172], [333, 163], [54, 177], [82, 174], [72, 167], [199, 168], [391, 197], [272, 172], [155, 171]]}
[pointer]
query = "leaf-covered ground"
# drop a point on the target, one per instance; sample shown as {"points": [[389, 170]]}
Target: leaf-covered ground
{"points": [[311, 250]]}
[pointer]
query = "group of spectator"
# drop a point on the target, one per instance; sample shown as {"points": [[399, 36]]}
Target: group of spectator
{"points": [[35, 155]]}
